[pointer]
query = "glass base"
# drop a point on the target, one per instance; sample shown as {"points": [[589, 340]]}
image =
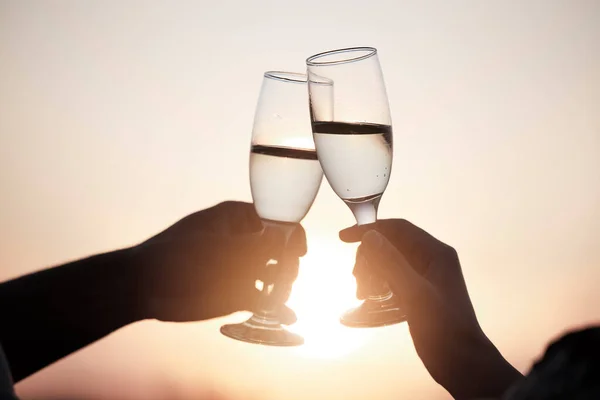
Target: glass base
{"points": [[262, 331], [374, 313]]}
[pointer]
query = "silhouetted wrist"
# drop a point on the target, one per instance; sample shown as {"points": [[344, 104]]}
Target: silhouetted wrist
{"points": [[488, 375], [133, 292]]}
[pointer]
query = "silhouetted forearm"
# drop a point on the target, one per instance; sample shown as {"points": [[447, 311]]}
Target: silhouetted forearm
{"points": [[49, 314], [487, 374]]}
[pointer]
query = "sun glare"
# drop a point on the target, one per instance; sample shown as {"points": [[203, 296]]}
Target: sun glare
{"points": [[325, 288]]}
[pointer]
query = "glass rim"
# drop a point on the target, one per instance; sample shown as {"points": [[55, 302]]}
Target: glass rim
{"points": [[370, 52], [284, 76]]}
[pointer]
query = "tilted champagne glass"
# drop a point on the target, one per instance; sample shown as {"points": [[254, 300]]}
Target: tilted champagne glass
{"points": [[352, 129], [285, 177]]}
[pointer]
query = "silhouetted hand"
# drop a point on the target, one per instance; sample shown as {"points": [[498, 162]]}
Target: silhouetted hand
{"points": [[206, 265], [426, 276]]}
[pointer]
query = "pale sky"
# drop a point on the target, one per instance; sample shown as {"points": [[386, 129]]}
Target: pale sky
{"points": [[118, 118]]}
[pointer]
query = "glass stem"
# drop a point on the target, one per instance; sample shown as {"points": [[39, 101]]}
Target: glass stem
{"points": [[275, 291], [366, 213]]}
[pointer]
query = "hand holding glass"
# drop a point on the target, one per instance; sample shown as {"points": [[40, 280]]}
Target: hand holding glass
{"points": [[352, 130], [285, 177]]}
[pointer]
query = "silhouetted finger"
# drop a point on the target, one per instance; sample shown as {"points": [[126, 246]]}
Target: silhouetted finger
{"points": [[279, 271], [296, 245], [286, 315], [361, 290], [289, 268], [363, 276], [355, 233], [418, 246], [257, 253], [369, 280], [392, 265]]}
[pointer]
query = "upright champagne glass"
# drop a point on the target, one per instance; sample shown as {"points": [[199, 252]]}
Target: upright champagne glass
{"points": [[352, 130], [285, 177]]}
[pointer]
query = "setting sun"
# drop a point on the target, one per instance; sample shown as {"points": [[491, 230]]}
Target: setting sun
{"points": [[325, 288]]}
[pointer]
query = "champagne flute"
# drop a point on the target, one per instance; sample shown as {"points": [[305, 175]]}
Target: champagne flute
{"points": [[285, 177], [352, 130]]}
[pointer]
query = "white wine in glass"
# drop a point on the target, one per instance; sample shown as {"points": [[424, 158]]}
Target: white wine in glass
{"points": [[358, 161]]}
